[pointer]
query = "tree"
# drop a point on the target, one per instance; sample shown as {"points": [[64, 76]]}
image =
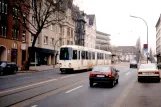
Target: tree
{"points": [[138, 49], [35, 15]]}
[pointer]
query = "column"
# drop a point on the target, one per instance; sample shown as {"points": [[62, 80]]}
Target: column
{"points": [[49, 60]]}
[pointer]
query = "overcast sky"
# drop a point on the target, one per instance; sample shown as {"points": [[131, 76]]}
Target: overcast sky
{"points": [[113, 17]]}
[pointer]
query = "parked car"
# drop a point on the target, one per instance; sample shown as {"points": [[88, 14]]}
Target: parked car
{"points": [[8, 68], [148, 71], [104, 74], [133, 64]]}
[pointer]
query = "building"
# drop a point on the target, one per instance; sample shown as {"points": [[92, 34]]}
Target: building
{"points": [[158, 40], [13, 37], [52, 38], [102, 41], [90, 28], [127, 52], [80, 32]]}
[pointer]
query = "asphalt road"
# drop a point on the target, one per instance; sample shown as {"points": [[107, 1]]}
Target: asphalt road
{"points": [[52, 89]]}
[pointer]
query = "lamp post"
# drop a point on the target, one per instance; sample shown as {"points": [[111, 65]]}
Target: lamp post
{"points": [[147, 30]]}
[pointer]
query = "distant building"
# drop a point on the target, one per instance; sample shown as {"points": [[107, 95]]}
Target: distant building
{"points": [[102, 41], [127, 52], [158, 39]]}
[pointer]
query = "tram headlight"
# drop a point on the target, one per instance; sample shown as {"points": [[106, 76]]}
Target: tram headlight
{"points": [[60, 64], [70, 65]]}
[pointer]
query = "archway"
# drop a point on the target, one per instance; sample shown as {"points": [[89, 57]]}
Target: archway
{"points": [[3, 53]]}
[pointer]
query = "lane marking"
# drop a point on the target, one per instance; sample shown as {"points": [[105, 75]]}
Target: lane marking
{"points": [[67, 76], [23, 78], [127, 73], [74, 89], [27, 86], [34, 106]]}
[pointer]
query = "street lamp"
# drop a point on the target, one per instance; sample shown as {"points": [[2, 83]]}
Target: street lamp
{"points": [[147, 30]]}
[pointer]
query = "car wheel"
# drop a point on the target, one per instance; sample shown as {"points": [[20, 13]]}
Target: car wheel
{"points": [[117, 81], [15, 71], [91, 83], [112, 84], [1, 73], [158, 80]]}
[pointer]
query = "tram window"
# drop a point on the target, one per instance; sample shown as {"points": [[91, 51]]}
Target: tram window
{"points": [[93, 55], [89, 53], [74, 54], [78, 54], [97, 55], [86, 55], [83, 54]]}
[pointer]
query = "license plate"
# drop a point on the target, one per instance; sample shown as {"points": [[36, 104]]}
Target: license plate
{"points": [[148, 73], [100, 76]]}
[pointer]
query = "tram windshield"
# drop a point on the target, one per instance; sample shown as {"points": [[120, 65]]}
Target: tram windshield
{"points": [[66, 54]]}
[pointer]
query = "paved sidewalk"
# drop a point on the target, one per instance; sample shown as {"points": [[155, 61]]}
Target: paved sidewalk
{"points": [[143, 95], [39, 68]]}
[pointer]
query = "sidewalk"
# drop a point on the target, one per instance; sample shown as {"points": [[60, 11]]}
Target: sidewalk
{"points": [[143, 95], [39, 68]]}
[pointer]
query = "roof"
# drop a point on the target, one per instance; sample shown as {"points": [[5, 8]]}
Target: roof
{"points": [[91, 19], [102, 33]]}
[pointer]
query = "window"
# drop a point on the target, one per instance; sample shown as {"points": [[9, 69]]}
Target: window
{"points": [[74, 54], [86, 55], [45, 40], [83, 54], [2, 7], [68, 32], [89, 53], [93, 55], [51, 27], [23, 35], [68, 42], [32, 38], [78, 54], [6, 8], [52, 41]]}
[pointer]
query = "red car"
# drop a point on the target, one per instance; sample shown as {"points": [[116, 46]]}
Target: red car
{"points": [[104, 74]]}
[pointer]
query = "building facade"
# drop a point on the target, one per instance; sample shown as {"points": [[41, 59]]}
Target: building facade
{"points": [[13, 37], [102, 41], [80, 32], [90, 28], [52, 38], [158, 40]]}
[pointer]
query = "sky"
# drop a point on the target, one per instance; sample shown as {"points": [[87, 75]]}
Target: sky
{"points": [[113, 17]]}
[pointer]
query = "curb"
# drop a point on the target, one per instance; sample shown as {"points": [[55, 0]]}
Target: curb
{"points": [[35, 71]]}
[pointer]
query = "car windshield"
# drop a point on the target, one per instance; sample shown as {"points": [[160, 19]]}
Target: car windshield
{"points": [[2, 64], [101, 69], [148, 66], [133, 61]]}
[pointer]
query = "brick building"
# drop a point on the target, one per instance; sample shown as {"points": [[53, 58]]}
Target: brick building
{"points": [[13, 37]]}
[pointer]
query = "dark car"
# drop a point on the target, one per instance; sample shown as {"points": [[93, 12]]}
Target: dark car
{"points": [[8, 68], [133, 64], [104, 74]]}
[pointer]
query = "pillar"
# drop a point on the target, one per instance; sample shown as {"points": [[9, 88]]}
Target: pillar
{"points": [[49, 60]]}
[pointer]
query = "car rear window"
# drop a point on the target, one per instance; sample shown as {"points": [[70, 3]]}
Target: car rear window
{"points": [[101, 69], [148, 66]]}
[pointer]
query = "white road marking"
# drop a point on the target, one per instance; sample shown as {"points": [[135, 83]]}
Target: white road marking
{"points": [[67, 76], [74, 89], [34, 106], [127, 73], [24, 78], [22, 87]]}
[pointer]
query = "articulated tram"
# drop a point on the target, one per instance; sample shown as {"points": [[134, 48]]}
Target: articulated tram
{"points": [[73, 57]]}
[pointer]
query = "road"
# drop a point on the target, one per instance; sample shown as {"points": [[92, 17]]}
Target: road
{"points": [[52, 89]]}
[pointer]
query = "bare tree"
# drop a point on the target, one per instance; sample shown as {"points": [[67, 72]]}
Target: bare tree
{"points": [[138, 49], [35, 15]]}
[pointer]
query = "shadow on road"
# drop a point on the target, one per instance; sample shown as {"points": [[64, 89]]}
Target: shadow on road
{"points": [[103, 85]]}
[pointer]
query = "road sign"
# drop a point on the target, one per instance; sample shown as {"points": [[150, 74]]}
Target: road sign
{"points": [[145, 46]]}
